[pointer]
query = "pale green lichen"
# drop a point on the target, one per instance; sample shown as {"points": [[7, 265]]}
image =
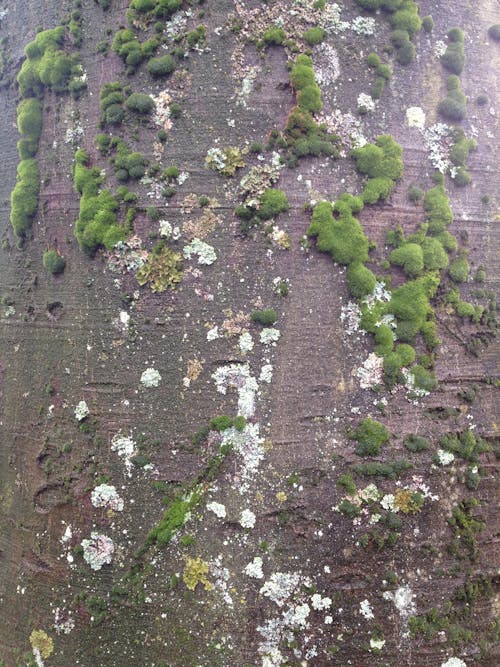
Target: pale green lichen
{"points": [[162, 270], [41, 642], [225, 160], [195, 572]]}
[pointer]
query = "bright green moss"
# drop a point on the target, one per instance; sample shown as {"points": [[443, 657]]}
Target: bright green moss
{"points": [[371, 435], [24, 197]]}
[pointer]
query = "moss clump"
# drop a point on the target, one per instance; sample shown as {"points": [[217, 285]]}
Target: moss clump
{"points": [[342, 236], [465, 445], [382, 162], [435, 257], [453, 59], [174, 517], [428, 24], [162, 269], [53, 262], [97, 223], [24, 197], [112, 99], [438, 212], [465, 528], [303, 136], [272, 203], [415, 443], [453, 106], [274, 36], [221, 423], [360, 279], [459, 269], [47, 65], [370, 435], [140, 103], [162, 66], [29, 122], [265, 317], [126, 164], [377, 469], [304, 82], [131, 50], [405, 50], [494, 32], [407, 19], [314, 35], [410, 257]]}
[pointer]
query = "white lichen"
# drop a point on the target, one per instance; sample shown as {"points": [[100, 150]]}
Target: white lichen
{"points": [[150, 378], [366, 610], [280, 586], [254, 568], [365, 103], [218, 509], [205, 252], [105, 495], [81, 411], [246, 343], [98, 550], [238, 376], [444, 457], [454, 662], [319, 603], [269, 336], [415, 117], [266, 373], [247, 519]]}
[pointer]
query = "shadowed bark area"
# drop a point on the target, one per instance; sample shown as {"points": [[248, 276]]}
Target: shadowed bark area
{"points": [[261, 543]]}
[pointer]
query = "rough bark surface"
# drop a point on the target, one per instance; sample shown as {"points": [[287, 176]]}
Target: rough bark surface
{"points": [[61, 341]]}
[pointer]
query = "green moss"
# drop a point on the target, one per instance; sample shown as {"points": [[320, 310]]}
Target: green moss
{"points": [[349, 509], [376, 469], [428, 24], [97, 223], [221, 423], [370, 436], [139, 103], [53, 262], [410, 257], [384, 340], [342, 237], [382, 163], [360, 279], [494, 32], [453, 59], [465, 445], [415, 443], [274, 36], [465, 528], [314, 35], [435, 257], [438, 212], [24, 197], [29, 119], [265, 317], [346, 482], [162, 66], [272, 203], [459, 269]]}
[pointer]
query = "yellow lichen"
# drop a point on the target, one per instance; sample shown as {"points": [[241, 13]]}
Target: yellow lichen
{"points": [[409, 502], [195, 572], [41, 642], [281, 496]]}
